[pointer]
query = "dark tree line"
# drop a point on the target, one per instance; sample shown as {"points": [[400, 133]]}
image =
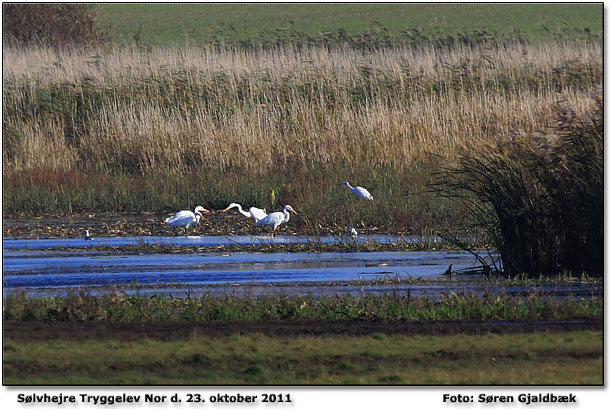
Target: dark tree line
{"points": [[56, 25]]}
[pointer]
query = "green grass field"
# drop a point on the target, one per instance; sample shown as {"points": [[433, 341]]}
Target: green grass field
{"points": [[174, 24], [565, 358]]}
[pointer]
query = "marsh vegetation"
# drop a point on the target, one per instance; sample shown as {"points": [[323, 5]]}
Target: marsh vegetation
{"points": [[136, 130], [490, 304], [491, 133]]}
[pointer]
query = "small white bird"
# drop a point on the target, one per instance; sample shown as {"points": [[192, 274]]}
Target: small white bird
{"points": [[254, 213], [359, 192], [186, 218], [352, 232], [275, 219], [87, 236]]}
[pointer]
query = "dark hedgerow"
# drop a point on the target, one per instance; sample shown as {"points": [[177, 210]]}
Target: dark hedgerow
{"points": [[56, 25], [540, 197]]}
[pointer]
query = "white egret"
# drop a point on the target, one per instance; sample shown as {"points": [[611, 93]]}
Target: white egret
{"points": [[186, 218], [87, 236], [359, 192], [352, 232], [254, 213], [275, 219]]}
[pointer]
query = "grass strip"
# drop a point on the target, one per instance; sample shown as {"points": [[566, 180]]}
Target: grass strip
{"points": [[560, 358]]}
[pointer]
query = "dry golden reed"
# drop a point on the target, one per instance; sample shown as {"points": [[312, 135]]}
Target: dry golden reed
{"points": [[134, 111]]}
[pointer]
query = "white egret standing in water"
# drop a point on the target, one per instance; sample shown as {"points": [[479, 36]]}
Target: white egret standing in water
{"points": [[254, 213], [275, 219], [186, 218], [359, 192]]}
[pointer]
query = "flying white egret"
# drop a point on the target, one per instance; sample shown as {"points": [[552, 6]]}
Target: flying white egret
{"points": [[275, 219], [254, 213], [359, 192], [186, 218]]}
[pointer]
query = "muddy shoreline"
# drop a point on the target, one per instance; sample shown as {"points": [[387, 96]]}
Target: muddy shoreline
{"points": [[170, 331], [152, 224]]}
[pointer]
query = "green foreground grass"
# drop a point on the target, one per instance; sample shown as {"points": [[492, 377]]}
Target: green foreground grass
{"points": [[562, 358], [172, 24]]}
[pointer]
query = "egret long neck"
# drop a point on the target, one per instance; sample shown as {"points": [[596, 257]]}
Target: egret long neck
{"points": [[247, 214], [287, 215]]}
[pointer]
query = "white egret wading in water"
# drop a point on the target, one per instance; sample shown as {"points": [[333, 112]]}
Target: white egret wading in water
{"points": [[87, 236], [275, 219], [359, 192], [186, 218], [254, 213]]}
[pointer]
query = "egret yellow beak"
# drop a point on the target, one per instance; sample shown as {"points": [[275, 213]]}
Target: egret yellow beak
{"points": [[205, 211], [294, 212], [225, 210]]}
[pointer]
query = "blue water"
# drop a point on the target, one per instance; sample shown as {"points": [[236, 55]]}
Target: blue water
{"points": [[61, 270], [200, 241], [45, 264], [57, 266]]}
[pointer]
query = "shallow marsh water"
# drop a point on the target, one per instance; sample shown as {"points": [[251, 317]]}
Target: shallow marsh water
{"points": [[68, 263], [58, 266], [56, 243]]}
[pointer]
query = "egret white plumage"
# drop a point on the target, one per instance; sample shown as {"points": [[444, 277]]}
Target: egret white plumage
{"points": [[186, 218], [359, 192], [277, 218], [352, 232], [87, 236], [254, 213]]}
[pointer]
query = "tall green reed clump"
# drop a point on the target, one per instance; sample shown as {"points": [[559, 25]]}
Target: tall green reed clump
{"points": [[540, 196]]}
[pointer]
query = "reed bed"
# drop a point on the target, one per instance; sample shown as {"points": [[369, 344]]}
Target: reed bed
{"points": [[52, 65], [135, 129], [540, 196]]}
